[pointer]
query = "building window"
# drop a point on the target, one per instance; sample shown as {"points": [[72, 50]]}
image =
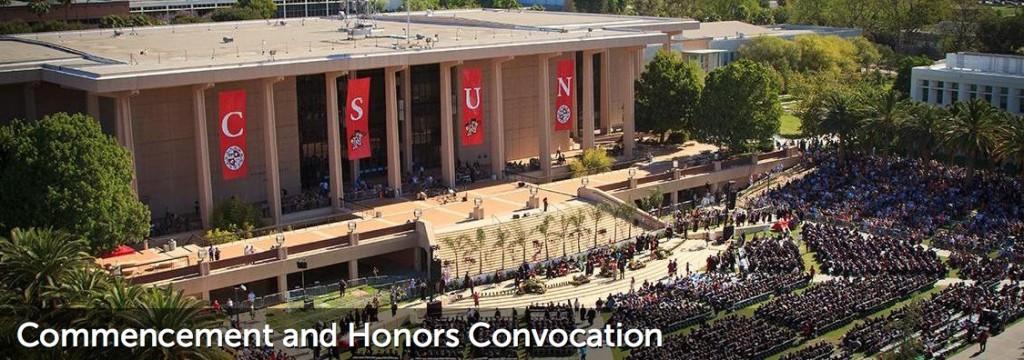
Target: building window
{"points": [[1004, 98], [939, 96], [924, 83], [924, 94], [955, 86], [954, 95], [941, 84]]}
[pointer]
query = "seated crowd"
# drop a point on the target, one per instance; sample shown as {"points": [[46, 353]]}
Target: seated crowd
{"points": [[732, 337], [828, 305], [821, 350], [983, 268], [774, 254], [846, 252], [657, 306]]}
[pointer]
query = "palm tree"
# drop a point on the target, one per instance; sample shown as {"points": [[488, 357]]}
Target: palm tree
{"points": [[479, 244], [577, 224], [40, 8], [1010, 142], [37, 261], [521, 235], [502, 241], [628, 211], [971, 129], [544, 228], [564, 221], [456, 245], [165, 308], [841, 116], [596, 213], [921, 129], [883, 113]]}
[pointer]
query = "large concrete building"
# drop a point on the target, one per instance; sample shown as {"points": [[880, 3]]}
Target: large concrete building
{"points": [[157, 90], [999, 79]]}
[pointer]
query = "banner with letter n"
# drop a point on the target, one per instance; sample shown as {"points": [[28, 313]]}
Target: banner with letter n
{"points": [[472, 107], [564, 104], [232, 135], [357, 113]]}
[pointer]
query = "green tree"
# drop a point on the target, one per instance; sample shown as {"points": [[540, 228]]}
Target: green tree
{"points": [[884, 112], [420, 5], [266, 8], [39, 8], [479, 244], [521, 236], [456, 245], [972, 128], [1009, 141], [234, 215], [781, 54], [740, 105], [905, 66], [459, 4], [649, 7], [836, 113], [501, 236], [668, 80], [564, 222], [36, 262], [1002, 35], [63, 171], [164, 308], [544, 228], [594, 161], [921, 130], [507, 4], [576, 220], [597, 213]]}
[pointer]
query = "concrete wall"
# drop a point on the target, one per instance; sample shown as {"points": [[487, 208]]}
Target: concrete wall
{"points": [[162, 122], [12, 102], [522, 129]]}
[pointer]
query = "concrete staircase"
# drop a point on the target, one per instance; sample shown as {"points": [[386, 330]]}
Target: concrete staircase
{"points": [[609, 229]]}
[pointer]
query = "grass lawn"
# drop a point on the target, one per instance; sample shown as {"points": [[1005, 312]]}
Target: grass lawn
{"points": [[790, 126], [1005, 11], [329, 307]]}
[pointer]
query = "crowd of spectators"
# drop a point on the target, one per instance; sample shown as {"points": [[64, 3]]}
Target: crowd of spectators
{"points": [[660, 306], [826, 306], [984, 269], [846, 252], [775, 253], [732, 337], [821, 350]]}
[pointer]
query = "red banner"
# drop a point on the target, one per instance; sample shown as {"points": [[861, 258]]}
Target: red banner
{"points": [[472, 108], [357, 115], [232, 135], [565, 109]]}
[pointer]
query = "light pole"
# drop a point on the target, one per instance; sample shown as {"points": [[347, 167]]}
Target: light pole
{"points": [[417, 214], [238, 304], [302, 265], [584, 181], [632, 173], [280, 240]]}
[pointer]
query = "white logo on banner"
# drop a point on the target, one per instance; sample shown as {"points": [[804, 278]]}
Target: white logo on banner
{"points": [[234, 157], [469, 98], [227, 129], [563, 114]]}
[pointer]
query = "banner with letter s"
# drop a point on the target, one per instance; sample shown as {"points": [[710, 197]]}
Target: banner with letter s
{"points": [[472, 107], [357, 115], [564, 104], [232, 135]]}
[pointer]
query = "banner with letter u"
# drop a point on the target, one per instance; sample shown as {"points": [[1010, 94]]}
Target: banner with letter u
{"points": [[472, 108], [232, 135], [357, 114], [564, 104]]}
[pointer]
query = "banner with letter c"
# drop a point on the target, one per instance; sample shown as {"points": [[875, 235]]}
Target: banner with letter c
{"points": [[472, 107], [232, 135], [357, 115], [565, 109]]}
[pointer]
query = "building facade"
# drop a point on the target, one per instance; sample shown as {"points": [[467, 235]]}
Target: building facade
{"points": [[160, 92], [999, 79]]}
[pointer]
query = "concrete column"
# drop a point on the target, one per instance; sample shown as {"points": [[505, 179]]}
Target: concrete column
{"points": [[92, 106], [606, 93], [353, 269], [497, 118], [1013, 105], [270, 149], [994, 96], [947, 93], [203, 176], [916, 90], [407, 128], [334, 140], [675, 198], [447, 127], [393, 151], [588, 100], [963, 95], [544, 114], [30, 100], [282, 285], [628, 124], [123, 125]]}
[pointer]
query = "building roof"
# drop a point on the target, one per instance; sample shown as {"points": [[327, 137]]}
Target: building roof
{"points": [[310, 45], [1007, 67], [738, 29]]}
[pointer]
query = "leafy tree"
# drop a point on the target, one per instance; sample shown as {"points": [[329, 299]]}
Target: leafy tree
{"points": [[906, 65], [1002, 35], [266, 8], [740, 105], [459, 4], [188, 18], [649, 7], [781, 54], [594, 161], [826, 53], [235, 14], [16, 26], [668, 93], [544, 228], [576, 220], [507, 4], [521, 235], [564, 222], [39, 7], [457, 245], [165, 308], [479, 244], [971, 129], [37, 261], [959, 31], [63, 171], [113, 21], [868, 54], [836, 113], [597, 213]]}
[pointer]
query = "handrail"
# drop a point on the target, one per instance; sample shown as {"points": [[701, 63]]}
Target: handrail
{"points": [[267, 230]]}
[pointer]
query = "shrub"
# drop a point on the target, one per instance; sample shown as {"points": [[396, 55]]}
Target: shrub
{"points": [[113, 21], [678, 137], [233, 214], [48, 26], [234, 14], [16, 26], [593, 161], [188, 18]]}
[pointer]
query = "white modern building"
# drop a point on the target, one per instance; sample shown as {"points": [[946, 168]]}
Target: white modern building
{"points": [[999, 79]]}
